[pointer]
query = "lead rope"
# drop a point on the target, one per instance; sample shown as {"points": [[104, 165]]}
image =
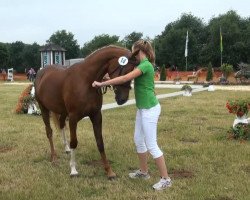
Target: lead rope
{"points": [[103, 90]]}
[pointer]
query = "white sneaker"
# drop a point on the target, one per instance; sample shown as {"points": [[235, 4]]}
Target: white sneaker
{"points": [[163, 184], [139, 174]]}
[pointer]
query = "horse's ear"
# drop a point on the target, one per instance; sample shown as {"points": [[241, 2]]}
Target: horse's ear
{"points": [[133, 59], [135, 53]]}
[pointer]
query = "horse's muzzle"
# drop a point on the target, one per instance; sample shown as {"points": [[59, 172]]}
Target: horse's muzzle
{"points": [[120, 101]]}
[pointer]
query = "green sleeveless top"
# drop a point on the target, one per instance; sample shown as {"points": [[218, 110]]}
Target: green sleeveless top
{"points": [[144, 86]]}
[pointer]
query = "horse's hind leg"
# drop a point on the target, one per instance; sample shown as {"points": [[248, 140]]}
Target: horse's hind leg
{"points": [[62, 124], [73, 145], [46, 120], [97, 126]]}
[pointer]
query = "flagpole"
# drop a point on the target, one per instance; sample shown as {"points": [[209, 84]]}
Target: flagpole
{"points": [[186, 49], [186, 63], [221, 47], [221, 58]]}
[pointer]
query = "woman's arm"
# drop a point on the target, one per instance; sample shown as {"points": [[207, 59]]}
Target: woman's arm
{"points": [[120, 79]]}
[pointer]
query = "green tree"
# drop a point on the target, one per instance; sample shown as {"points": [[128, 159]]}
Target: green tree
{"points": [[209, 72], [4, 55], [66, 40], [170, 45], [130, 39], [235, 36], [226, 70], [246, 38], [163, 73], [98, 42], [16, 56], [31, 56]]}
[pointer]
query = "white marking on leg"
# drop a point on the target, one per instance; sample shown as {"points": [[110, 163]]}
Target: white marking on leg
{"points": [[66, 145], [73, 163]]}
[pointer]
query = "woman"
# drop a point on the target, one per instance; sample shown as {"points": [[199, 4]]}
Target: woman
{"points": [[145, 135]]}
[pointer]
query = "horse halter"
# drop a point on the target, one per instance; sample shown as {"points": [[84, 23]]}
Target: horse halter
{"points": [[123, 62]]}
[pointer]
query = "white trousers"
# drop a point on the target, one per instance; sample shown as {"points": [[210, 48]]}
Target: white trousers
{"points": [[145, 136]]}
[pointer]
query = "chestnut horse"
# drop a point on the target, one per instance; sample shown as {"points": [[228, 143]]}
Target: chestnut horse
{"points": [[68, 92]]}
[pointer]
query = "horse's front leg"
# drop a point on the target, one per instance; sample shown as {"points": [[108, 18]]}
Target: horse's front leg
{"points": [[96, 120], [73, 145]]}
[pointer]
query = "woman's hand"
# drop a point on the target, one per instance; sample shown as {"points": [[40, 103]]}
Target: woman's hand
{"points": [[96, 84]]}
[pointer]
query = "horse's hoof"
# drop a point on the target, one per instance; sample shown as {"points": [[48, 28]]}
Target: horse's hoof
{"points": [[54, 161], [112, 178], [74, 175], [67, 151]]}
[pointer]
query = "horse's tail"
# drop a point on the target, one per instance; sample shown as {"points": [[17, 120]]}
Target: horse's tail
{"points": [[55, 118], [39, 76]]}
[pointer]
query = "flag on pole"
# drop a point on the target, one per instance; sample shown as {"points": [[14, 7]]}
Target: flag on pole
{"points": [[221, 46], [186, 48]]}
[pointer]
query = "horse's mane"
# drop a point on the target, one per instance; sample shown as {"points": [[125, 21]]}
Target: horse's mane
{"points": [[96, 51], [103, 48]]}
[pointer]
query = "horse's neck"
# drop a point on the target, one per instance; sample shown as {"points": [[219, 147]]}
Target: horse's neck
{"points": [[96, 64]]}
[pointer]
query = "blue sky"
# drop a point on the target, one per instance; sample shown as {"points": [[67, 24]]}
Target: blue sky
{"points": [[35, 21]]}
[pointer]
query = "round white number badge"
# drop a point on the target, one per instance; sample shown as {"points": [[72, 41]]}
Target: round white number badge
{"points": [[123, 61]]}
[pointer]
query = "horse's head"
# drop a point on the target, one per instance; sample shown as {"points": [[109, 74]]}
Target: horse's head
{"points": [[119, 66]]}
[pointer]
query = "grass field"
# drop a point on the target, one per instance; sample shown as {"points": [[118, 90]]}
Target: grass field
{"points": [[202, 162]]}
